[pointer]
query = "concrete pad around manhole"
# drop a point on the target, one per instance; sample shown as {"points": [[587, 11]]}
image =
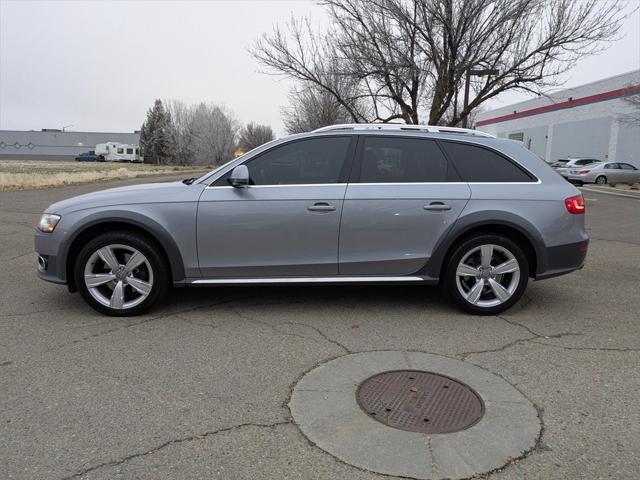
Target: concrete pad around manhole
{"points": [[324, 406]]}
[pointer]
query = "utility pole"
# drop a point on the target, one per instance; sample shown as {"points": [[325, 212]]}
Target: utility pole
{"points": [[478, 73]]}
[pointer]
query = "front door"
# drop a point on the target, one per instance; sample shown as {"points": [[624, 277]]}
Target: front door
{"points": [[286, 222], [403, 198], [628, 172], [613, 172]]}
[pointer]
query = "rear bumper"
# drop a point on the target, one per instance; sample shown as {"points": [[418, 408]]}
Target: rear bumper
{"points": [[563, 259], [580, 179]]}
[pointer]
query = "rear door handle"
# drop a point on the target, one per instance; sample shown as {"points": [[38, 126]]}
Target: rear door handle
{"points": [[437, 207], [321, 207]]}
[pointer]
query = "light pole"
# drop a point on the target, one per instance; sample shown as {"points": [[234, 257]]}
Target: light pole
{"points": [[66, 126], [487, 72]]}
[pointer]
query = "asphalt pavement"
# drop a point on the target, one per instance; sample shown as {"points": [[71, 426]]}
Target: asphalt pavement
{"points": [[199, 387]]}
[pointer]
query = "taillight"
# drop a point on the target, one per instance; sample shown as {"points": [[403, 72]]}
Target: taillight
{"points": [[583, 171], [575, 204]]}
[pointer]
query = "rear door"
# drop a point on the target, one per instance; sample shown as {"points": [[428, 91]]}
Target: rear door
{"points": [[286, 222], [402, 196]]}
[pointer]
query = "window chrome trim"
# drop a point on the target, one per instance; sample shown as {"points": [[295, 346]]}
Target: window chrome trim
{"points": [[236, 280], [447, 183], [538, 182], [286, 185]]}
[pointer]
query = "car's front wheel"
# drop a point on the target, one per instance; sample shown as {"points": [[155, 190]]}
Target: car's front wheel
{"points": [[121, 274], [486, 274]]}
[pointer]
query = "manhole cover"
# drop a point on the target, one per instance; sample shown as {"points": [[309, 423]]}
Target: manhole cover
{"points": [[419, 401]]}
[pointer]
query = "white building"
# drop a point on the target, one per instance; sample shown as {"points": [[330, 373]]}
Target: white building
{"points": [[51, 144], [592, 120]]}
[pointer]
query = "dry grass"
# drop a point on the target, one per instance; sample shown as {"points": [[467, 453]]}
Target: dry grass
{"points": [[25, 174]]}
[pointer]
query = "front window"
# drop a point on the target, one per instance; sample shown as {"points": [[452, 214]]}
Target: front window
{"points": [[304, 162]]}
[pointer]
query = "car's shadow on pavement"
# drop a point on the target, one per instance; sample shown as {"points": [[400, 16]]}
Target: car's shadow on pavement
{"points": [[314, 296]]}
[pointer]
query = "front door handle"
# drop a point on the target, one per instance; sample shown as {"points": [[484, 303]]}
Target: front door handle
{"points": [[437, 207], [321, 207]]}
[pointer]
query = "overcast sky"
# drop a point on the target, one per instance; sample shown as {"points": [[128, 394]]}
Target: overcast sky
{"points": [[99, 65]]}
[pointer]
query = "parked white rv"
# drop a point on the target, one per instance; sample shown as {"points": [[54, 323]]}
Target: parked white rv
{"points": [[119, 152]]}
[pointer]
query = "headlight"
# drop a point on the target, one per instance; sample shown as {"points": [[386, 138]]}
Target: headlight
{"points": [[48, 222]]}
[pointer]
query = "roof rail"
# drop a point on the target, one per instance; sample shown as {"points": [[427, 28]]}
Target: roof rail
{"points": [[403, 127]]}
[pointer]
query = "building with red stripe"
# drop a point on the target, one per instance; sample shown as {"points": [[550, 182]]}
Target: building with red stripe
{"points": [[595, 120]]}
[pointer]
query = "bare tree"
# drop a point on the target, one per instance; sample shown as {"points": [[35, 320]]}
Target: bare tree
{"points": [[403, 59], [181, 137], [213, 134], [203, 134], [312, 107], [253, 135]]}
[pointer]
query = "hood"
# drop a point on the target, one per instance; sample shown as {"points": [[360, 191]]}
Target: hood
{"points": [[165, 192]]}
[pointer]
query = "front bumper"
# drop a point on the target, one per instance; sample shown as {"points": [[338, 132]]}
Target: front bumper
{"points": [[49, 263], [48, 269], [563, 259]]}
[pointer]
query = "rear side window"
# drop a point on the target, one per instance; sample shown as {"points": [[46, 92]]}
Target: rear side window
{"points": [[478, 164], [402, 160]]}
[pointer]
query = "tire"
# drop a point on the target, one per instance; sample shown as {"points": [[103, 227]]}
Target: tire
{"points": [[481, 299], [601, 180], [110, 285]]}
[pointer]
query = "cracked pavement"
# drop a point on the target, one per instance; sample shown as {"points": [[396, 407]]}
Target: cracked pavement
{"points": [[199, 387]]}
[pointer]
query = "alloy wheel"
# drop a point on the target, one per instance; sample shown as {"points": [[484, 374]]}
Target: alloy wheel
{"points": [[118, 276], [487, 275]]}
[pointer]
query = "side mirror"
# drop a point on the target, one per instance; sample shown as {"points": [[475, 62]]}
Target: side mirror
{"points": [[239, 177]]}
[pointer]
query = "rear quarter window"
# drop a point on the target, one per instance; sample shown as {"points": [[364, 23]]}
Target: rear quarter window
{"points": [[479, 164]]}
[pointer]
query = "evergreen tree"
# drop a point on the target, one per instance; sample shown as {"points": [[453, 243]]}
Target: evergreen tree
{"points": [[155, 135]]}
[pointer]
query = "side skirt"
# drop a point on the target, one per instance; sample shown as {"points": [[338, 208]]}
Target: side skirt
{"points": [[311, 280]]}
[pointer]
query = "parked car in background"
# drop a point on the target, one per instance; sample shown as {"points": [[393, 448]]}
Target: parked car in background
{"points": [[572, 164], [89, 156], [603, 173], [343, 204]]}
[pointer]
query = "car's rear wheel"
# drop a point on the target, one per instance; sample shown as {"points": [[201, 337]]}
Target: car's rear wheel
{"points": [[121, 274], [601, 180], [486, 274]]}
